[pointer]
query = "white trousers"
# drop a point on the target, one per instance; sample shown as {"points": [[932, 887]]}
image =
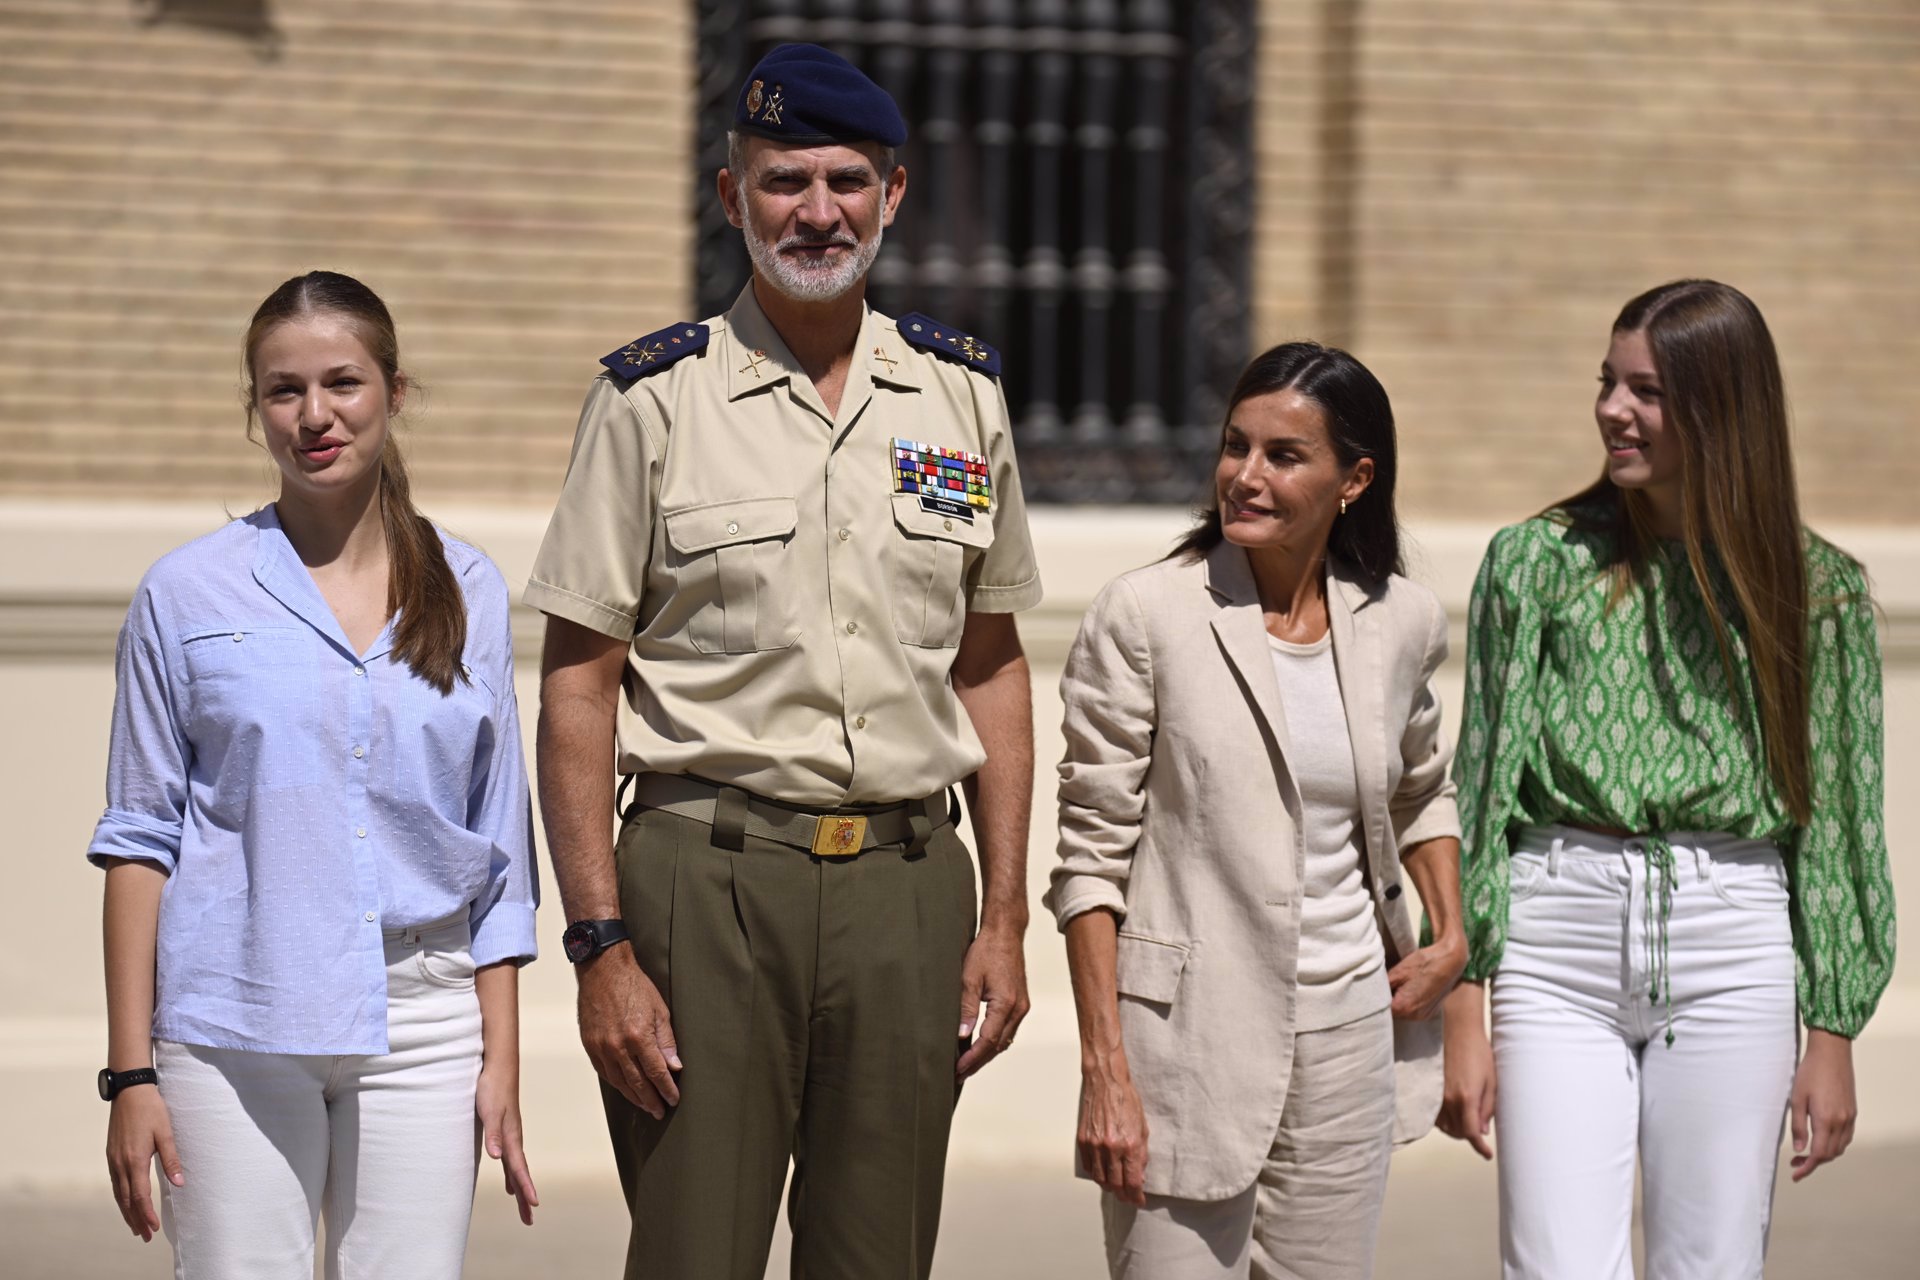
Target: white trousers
{"points": [[385, 1145], [1587, 1079], [1314, 1211]]}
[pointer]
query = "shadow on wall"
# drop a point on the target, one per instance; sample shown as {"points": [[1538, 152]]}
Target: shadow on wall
{"points": [[249, 21]]}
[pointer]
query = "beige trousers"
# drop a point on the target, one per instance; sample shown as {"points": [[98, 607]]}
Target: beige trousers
{"points": [[1314, 1211]]}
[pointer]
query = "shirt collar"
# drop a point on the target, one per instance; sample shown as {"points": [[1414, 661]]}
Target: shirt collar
{"points": [[278, 569]]}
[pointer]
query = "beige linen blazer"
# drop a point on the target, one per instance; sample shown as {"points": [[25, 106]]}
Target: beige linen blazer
{"points": [[1179, 812]]}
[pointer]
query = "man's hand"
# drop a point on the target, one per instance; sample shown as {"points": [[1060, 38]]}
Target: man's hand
{"points": [[1823, 1105], [994, 974], [1421, 981], [627, 1031]]}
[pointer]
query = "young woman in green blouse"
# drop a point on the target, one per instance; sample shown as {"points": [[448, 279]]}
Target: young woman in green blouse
{"points": [[1670, 793]]}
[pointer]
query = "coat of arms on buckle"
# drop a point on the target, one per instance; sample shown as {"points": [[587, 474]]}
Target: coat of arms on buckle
{"points": [[839, 837]]}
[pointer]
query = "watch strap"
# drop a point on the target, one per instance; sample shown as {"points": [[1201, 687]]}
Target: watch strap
{"points": [[113, 1082]]}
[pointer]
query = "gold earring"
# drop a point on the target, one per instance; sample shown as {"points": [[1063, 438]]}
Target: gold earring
{"points": [[1343, 506]]}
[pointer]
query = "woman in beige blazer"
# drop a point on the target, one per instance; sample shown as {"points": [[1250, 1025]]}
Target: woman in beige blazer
{"points": [[1254, 768]]}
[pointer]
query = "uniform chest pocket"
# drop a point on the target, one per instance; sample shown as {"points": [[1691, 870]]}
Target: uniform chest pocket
{"points": [[734, 563], [930, 560]]}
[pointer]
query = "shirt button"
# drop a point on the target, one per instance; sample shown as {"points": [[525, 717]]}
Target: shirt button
{"points": [[238, 636], [359, 671], [1393, 891], [949, 526], [732, 527], [852, 627], [845, 534], [358, 752], [362, 833], [860, 722], [371, 917]]}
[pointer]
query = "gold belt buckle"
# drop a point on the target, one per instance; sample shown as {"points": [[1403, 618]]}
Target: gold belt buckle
{"points": [[839, 837]]}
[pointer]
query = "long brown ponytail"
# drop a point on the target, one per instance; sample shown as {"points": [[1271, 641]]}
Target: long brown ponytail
{"points": [[1726, 404], [422, 594]]}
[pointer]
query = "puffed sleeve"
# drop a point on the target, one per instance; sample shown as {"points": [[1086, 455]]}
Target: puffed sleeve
{"points": [[1842, 888], [1108, 690], [1007, 578], [1423, 808], [499, 806], [1499, 715], [592, 565], [148, 756]]}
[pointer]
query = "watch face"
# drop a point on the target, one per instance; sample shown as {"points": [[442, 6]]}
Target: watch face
{"points": [[106, 1084], [577, 941]]}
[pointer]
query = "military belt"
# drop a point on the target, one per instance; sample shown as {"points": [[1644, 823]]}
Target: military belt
{"points": [[837, 833]]}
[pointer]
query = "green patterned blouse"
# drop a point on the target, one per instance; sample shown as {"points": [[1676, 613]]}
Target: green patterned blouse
{"points": [[1623, 719]]}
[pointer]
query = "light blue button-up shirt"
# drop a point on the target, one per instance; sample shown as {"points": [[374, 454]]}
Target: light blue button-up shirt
{"points": [[302, 798]]}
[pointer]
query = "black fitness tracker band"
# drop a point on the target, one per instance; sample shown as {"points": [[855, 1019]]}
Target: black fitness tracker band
{"points": [[585, 939], [112, 1082]]}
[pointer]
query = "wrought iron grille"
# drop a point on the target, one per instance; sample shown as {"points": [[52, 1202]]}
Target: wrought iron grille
{"points": [[1081, 198]]}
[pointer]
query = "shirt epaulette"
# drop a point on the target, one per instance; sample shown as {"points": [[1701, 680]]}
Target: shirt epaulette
{"points": [[944, 339], [657, 350]]}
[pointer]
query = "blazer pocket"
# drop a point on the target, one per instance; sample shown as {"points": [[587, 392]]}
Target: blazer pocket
{"points": [[1149, 969]]}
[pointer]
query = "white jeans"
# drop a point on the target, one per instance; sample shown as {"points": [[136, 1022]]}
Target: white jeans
{"points": [[386, 1145], [1313, 1213], [1587, 1078]]}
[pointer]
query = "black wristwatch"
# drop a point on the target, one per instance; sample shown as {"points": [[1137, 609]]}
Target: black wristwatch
{"points": [[585, 939], [112, 1082]]}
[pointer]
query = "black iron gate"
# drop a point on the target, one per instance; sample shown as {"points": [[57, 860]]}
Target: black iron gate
{"points": [[1082, 198]]}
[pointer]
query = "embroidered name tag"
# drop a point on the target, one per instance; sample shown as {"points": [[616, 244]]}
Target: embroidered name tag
{"points": [[952, 482]]}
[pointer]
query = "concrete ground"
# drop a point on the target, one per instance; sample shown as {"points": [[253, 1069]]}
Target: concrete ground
{"points": [[1856, 1219]]}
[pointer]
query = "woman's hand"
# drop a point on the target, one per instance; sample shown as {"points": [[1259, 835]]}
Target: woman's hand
{"points": [[1421, 981], [1823, 1105], [496, 1100], [139, 1129], [1466, 1102], [1113, 1130]]}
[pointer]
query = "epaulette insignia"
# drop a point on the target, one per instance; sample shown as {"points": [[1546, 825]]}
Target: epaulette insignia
{"points": [[944, 339], [657, 350]]}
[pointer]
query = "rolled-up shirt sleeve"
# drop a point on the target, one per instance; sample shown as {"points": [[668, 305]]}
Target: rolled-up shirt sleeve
{"points": [[592, 565], [1109, 695], [148, 757], [500, 806]]}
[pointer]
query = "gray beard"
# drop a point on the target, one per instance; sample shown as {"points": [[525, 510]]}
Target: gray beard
{"points": [[823, 283]]}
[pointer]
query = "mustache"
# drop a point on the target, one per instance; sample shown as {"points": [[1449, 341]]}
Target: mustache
{"points": [[818, 240]]}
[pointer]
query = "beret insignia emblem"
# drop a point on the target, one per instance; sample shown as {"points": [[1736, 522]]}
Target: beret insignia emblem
{"points": [[755, 96]]}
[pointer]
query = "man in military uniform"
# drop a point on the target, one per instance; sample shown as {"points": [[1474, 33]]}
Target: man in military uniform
{"points": [[785, 564]]}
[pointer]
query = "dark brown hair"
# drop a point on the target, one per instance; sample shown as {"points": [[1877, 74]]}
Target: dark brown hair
{"points": [[422, 593], [1359, 424], [1725, 404]]}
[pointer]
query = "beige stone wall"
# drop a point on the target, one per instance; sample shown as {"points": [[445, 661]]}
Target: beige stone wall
{"points": [[509, 174], [1518, 170]]}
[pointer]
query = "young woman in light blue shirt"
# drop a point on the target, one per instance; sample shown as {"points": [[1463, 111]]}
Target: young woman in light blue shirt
{"points": [[318, 847]]}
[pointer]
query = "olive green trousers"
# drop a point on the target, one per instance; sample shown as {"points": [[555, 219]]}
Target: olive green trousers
{"points": [[816, 1005]]}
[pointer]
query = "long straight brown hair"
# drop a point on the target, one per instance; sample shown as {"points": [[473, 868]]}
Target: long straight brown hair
{"points": [[422, 592], [1725, 403]]}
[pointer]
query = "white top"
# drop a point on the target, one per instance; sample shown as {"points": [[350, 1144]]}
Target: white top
{"points": [[1343, 970]]}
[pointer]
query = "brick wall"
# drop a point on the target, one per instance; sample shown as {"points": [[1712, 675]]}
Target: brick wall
{"points": [[510, 176], [1517, 170]]}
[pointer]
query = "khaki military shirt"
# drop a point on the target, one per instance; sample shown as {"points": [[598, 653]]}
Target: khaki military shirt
{"points": [[793, 612]]}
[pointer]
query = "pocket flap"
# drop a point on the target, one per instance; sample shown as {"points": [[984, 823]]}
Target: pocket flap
{"points": [[720, 523], [1148, 969], [917, 522]]}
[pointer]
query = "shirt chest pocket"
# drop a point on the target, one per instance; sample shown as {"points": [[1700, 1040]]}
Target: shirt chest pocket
{"points": [[734, 565], [931, 556], [246, 675]]}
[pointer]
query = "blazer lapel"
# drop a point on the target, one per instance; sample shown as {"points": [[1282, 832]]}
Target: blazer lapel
{"points": [[1242, 632], [1356, 660]]}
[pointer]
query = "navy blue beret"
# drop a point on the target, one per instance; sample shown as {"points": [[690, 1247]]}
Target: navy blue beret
{"points": [[803, 93]]}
